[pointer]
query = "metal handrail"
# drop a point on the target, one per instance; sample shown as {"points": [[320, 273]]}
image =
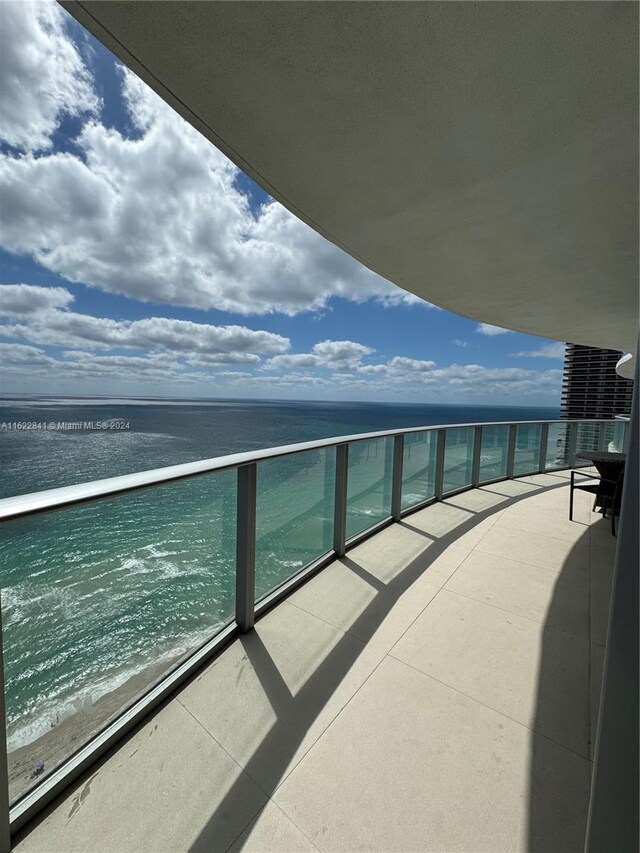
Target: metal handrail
{"points": [[247, 608], [34, 503]]}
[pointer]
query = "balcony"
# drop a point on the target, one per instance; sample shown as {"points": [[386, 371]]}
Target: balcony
{"points": [[434, 689], [467, 639]]}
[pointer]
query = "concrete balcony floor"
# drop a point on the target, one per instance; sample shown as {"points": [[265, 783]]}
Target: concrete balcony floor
{"points": [[435, 690]]}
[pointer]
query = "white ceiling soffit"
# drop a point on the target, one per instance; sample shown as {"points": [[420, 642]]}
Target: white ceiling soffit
{"points": [[483, 156]]}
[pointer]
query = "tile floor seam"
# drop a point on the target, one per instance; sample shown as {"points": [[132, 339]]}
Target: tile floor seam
{"points": [[288, 816], [435, 594], [532, 565], [248, 772], [326, 729], [311, 745], [522, 529], [222, 746], [491, 708], [524, 563], [513, 613], [282, 812], [330, 624], [541, 536], [496, 516], [242, 769], [245, 771], [354, 636], [456, 570]]}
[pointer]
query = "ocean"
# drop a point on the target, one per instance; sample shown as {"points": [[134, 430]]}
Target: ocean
{"points": [[94, 595]]}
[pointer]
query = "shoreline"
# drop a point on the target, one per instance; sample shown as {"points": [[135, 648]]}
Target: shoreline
{"points": [[74, 731]]}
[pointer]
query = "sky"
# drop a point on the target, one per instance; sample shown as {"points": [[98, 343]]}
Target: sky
{"points": [[137, 260]]}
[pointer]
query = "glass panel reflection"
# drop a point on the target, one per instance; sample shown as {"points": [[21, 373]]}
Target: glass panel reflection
{"points": [[418, 467], [557, 446], [493, 453], [294, 514], [99, 601], [369, 483], [458, 458], [527, 452]]}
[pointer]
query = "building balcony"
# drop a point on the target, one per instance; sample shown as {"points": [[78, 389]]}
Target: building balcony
{"points": [[435, 689]]}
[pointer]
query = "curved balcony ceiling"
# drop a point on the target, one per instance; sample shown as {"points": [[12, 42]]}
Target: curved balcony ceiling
{"points": [[482, 156]]}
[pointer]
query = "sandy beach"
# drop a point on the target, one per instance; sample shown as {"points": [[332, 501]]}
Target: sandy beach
{"points": [[73, 732]]}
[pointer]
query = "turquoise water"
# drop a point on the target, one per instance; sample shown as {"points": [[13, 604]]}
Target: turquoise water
{"points": [[94, 594]]}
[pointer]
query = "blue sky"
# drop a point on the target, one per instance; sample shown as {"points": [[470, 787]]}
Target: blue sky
{"points": [[137, 260]]}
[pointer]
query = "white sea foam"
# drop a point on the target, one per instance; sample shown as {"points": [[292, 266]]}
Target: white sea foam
{"points": [[54, 710]]}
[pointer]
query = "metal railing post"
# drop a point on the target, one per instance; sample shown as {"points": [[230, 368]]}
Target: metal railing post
{"points": [[5, 828], [340, 504], [511, 450], [396, 478], [475, 465], [602, 434], [626, 433], [439, 484], [246, 547], [572, 443], [387, 474], [544, 441]]}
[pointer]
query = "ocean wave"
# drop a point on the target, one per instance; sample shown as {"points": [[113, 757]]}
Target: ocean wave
{"points": [[54, 710]]}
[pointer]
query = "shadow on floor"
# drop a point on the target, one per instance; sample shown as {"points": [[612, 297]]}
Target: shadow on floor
{"points": [[295, 714], [569, 826]]}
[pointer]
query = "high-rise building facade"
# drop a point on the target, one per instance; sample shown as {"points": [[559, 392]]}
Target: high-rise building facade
{"points": [[591, 388]]}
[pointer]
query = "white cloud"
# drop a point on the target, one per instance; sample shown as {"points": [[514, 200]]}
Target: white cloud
{"points": [[207, 360], [43, 76], [460, 343], [551, 350], [341, 355], [154, 364], [474, 381], [20, 300], [402, 365], [335, 355], [169, 372], [47, 324], [17, 355], [160, 217], [372, 369], [491, 331], [295, 360]]}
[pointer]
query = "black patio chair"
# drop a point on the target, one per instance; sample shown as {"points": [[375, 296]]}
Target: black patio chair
{"points": [[607, 493], [603, 490], [617, 500]]}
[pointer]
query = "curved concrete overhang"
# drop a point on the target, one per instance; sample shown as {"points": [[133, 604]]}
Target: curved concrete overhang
{"points": [[626, 366], [482, 156]]}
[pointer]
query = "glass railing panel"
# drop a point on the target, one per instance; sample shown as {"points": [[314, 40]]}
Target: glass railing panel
{"points": [[558, 446], [598, 436], [589, 436], [418, 467], [493, 452], [615, 436], [369, 483], [527, 451], [458, 458], [101, 600], [294, 514]]}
